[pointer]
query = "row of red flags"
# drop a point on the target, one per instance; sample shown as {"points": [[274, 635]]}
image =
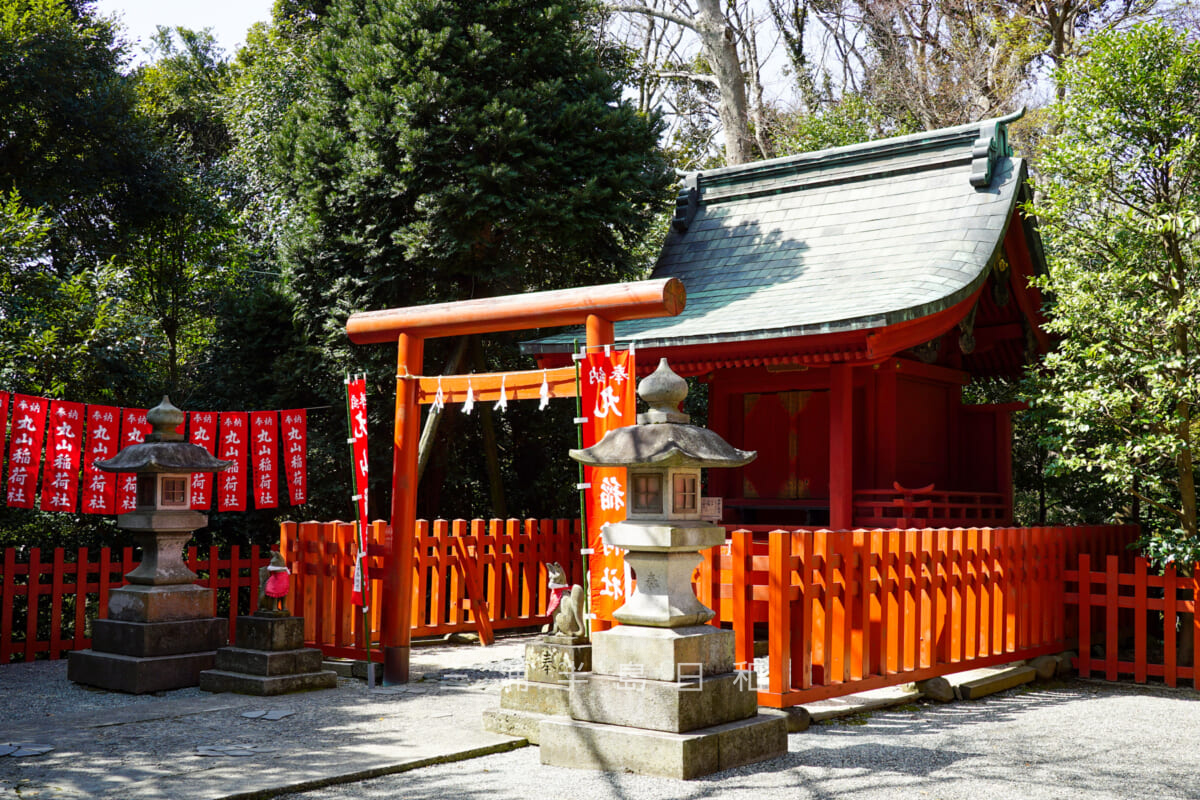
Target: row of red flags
{"points": [[77, 435]]}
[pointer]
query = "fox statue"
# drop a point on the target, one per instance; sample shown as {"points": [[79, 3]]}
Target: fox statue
{"points": [[566, 604]]}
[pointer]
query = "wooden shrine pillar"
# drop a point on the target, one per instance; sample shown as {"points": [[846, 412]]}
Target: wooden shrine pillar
{"points": [[885, 424], [595, 307], [841, 447], [396, 618]]}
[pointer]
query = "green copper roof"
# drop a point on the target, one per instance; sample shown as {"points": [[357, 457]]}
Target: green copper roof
{"points": [[837, 240]]}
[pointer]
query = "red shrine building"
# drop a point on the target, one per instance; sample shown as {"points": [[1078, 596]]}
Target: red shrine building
{"points": [[837, 304]]}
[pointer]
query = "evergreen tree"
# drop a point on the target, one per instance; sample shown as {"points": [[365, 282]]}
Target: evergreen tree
{"points": [[459, 149], [449, 150]]}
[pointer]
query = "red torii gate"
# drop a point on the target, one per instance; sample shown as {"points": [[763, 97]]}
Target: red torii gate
{"points": [[595, 307]]}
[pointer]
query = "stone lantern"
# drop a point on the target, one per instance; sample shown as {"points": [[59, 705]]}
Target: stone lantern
{"points": [[663, 696], [160, 632], [662, 532]]}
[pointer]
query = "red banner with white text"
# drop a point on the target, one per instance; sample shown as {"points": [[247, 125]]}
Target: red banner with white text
{"points": [[231, 483], [295, 453], [609, 401], [357, 398], [264, 458], [25, 449], [101, 442], [134, 429], [202, 432], [60, 482]]}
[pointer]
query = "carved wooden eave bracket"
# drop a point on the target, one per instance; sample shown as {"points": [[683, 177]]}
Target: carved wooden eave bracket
{"points": [[966, 331], [688, 203], [927, 353], [1001, 272], [991, 146]]}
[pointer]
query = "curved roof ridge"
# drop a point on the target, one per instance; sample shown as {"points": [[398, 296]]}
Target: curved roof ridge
{"points": [[993, 127]]}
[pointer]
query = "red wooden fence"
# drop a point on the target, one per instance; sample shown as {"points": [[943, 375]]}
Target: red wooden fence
{"points": [[854, 610], [1123, 599], [503, 560], [66, 593]]}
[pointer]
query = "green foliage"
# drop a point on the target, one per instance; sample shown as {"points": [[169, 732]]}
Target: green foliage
{"points": [[181, 88], [449, 150], [1121, 214], [851, 120], [73, 145], [441, 151]]}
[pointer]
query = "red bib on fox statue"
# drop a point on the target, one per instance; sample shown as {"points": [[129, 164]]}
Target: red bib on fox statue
{"points": [[274, 581]]}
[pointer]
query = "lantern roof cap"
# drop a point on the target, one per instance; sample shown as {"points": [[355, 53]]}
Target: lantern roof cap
{"points": [[663, 437], [164, 449]]}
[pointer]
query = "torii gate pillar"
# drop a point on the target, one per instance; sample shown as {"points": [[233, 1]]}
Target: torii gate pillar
{"points": [[595, 307]]}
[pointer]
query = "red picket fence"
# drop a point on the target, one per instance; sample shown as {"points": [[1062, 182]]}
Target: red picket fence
{"points": [[46, 607], [467, 576], [855, 610], [1121, 613]]}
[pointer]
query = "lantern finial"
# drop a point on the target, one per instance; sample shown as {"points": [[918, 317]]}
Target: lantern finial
{"points": [[165, 419]]}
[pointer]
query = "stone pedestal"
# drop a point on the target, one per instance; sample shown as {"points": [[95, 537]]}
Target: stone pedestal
{"points": [[269, 658], [551, 667], [663, 701], [160, 633], [158, 637]]}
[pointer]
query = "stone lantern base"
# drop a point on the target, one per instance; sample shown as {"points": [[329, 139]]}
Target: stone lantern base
{"points": [[152, 649], [663, 701]]}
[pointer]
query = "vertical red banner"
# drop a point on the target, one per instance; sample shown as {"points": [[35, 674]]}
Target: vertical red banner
{"points": [[231, 492], [202, 431], [264, 457], [357, 398], [608, 401], [25, 449], [133, 431], [64, 450], [103, 437], [295, 454]]}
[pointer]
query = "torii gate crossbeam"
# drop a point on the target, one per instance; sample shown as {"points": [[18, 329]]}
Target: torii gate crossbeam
{"points": [[595, 307]]}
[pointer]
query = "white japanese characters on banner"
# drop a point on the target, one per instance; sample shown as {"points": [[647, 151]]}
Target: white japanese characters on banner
{"points": [[60, 483], [295, 454], [231, 483], [103, 427], [609, 401], [134, 429], [357, 398], [202, 432], [76, 436], [25, 449], [264, 453]]}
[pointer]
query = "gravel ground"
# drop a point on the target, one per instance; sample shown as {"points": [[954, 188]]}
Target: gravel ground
{"points": [[1075, 740], [1079, 739]]}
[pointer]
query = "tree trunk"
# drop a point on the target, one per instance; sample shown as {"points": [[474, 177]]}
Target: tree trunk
{"points": [[429, 433], [719, 45]]}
